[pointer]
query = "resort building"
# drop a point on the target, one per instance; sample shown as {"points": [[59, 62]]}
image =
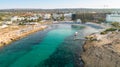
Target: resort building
{"points": [[16, 18], [47, 16], [56, 16], [113, 17], [7, 22], [68, 16]]}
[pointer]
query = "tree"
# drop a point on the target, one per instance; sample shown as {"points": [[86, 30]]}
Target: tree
{"points": [[39, 19], [62, 18], [1, 19]]}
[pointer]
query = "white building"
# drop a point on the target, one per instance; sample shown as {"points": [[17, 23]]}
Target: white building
{"points": [[68, 16], [113, 17], [7, 22], [15, 18], [33, 18], [4, 26], [47, 16], [55, 16], [79, 21], [58, 17]]}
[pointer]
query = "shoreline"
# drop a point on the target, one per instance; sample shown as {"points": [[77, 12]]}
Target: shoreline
{"points": [[11, 36], [88, 30]]}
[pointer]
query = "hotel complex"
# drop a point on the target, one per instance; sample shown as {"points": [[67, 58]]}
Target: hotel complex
{"points": [[113, 17]]}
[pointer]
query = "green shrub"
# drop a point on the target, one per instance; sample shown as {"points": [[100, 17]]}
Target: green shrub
{"points": [[108, 30], [21, 23], [116, 24], [104, 32], [111, 29]]}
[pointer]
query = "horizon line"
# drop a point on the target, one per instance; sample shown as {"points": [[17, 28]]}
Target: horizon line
{"points": [[56, 8]]}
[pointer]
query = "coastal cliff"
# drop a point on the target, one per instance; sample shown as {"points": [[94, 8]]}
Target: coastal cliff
{"points": [[102, 53]]}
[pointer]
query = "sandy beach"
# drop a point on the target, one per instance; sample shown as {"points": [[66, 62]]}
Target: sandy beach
{"points": [[13, 33]]}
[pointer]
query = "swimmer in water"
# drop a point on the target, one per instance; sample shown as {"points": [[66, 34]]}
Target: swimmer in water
{"points": [[76, 33]]}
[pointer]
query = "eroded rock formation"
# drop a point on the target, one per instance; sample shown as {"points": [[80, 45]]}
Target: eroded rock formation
{"points": [[103, 53]]}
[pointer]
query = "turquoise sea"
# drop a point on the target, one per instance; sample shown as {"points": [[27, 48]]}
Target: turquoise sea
{"points": [[53, 47]]}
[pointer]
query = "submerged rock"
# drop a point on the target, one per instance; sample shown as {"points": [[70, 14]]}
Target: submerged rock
{"points": [[104, 53]]}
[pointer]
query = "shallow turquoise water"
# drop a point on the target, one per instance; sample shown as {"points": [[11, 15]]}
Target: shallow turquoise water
{"points": [[33, 50]]}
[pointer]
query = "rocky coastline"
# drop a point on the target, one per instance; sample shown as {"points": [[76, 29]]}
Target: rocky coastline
{"points": [[16, 32], [102, 53]]}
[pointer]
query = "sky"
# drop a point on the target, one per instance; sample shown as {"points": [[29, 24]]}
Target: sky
{"points": [[53, 4]]}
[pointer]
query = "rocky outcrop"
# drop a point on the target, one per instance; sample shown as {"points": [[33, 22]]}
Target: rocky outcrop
{"points": [[103, 53], [14, 35]]}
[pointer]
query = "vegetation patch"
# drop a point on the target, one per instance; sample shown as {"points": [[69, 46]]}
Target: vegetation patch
{"points": [[115, 27], [108, 30]]}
